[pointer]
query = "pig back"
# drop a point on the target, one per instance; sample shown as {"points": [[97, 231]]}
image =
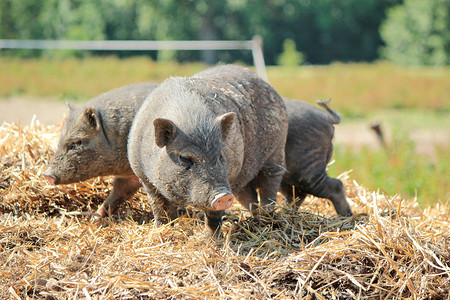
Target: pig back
{"points": [[261, 114], [119, 107], [308, 124], [309, 137]]}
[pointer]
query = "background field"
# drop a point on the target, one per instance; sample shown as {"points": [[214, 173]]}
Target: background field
{"points": [[412, 105]]}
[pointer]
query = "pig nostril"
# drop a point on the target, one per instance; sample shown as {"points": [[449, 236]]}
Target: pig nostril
{"points": [[223, 202]]}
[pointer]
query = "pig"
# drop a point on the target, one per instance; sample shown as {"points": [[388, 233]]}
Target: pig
{"points": [[198, 141], [93, 142], [308, 150]]}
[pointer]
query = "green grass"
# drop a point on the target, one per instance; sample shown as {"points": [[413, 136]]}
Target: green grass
{"points": [[398, 170], [411, 118], [358, 89], [82, 78], [403, 99]]}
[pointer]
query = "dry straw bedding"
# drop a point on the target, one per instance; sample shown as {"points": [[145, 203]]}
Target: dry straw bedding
{"points": [[50, 247]]}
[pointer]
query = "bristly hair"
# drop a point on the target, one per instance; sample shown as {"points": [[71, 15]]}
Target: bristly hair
{"points": [[194, 118]]}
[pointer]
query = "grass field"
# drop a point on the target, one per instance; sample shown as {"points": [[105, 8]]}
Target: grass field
{"points": [[404, 99], [356, 89]]}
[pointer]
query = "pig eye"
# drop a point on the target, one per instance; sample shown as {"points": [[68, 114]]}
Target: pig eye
{"points": [[187, 160], [75, 145]]}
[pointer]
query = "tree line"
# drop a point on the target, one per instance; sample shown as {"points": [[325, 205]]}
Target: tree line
{"points": [[411, 32]]}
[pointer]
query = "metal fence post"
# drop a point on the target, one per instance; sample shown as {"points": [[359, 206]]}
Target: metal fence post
{"points": [[258, 57]]}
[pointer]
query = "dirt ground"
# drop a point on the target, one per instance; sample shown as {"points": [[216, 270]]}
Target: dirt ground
{"points": [[22, 109], [352, 133]]}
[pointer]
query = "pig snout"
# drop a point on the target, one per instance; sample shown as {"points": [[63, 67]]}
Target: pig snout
{"points": [[222, 201]]}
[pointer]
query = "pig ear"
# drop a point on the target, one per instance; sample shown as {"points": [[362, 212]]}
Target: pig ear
{"points": [[165, 131], [91, 117], [226, 122]]}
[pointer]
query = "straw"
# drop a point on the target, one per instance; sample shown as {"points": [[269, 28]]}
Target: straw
{"points": [[51, 247]]}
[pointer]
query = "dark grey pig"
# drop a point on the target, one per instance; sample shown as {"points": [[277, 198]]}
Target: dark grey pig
{"points": [[198, 141], [308, 150], [93, 142]]}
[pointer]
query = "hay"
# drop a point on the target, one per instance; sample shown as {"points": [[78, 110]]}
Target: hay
{"points": [[49, 247]]}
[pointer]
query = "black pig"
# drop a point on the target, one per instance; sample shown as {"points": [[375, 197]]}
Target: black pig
{"points": [[308, 150]]}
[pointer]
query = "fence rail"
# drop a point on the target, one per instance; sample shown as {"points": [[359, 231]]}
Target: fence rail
{"points": [[254, 45]]}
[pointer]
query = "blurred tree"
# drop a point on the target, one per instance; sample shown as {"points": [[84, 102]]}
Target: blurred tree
{"points": [[328, 30], [71, 20], [189, 20], [6, 19], [418, 33], [324, 30], [290, 56], [20, 20]]}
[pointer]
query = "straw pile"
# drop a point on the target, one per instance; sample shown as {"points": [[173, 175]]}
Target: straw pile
{"points": [[51, 248]]}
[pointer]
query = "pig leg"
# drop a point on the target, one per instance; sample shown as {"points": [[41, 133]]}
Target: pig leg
{"points": [[248, 195], [213, 220], [270, 178], [164, 210], [123, 188], [333, 189], [290, 192]]}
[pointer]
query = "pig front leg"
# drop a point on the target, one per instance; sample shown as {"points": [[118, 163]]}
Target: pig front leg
{"points": [[164, 210], [123, 189], [213, 223]]}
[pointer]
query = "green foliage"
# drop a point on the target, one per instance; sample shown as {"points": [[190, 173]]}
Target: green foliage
{"points": [[290, 56], [418, 33], [398, 170], [324, 30], [166, 55], [20, 19]]}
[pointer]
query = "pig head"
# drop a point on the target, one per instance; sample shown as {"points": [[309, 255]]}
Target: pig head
{"points": [[83, 150], [201, 170]]}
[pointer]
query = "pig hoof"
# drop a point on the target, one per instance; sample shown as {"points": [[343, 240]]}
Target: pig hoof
{"points": [[348, 214], [101, 212], [50, 179], [223, 201]]}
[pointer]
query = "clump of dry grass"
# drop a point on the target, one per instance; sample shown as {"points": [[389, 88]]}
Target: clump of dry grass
{"points": [[49, 249]]}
